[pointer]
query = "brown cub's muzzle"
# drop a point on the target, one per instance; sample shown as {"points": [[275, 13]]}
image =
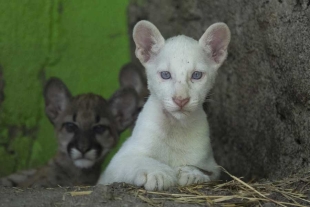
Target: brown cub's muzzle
{"points": [[84, 149]]}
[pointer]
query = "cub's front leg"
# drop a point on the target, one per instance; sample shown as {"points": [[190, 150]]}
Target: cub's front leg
{"points": [[140, 171], [188, 175], [156, 178]]}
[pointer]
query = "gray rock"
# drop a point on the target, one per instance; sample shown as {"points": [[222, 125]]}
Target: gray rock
{"points": [[259, 109]]}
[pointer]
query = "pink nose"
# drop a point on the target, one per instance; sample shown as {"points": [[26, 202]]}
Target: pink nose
{"points": [[180, 102]]}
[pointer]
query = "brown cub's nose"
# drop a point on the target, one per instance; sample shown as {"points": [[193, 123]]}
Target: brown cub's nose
{"points": [[180, 102], [83, 147]]}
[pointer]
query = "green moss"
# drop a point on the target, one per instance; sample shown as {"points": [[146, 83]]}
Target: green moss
{"points": [[20, 145], [95, 41], [44, 147], [7, 159], [23, 51], [4, 134]]}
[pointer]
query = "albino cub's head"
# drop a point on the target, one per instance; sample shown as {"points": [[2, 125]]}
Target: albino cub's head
{"points": [[180, 71], [87, 126]]}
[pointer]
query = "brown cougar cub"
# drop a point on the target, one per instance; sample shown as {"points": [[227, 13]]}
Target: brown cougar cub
{"points": [[87, 127]]}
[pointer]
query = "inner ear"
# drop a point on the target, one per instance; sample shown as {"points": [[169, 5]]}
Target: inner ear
{"points": [[148, 40], [124, 107], [56, 96], [215, 42]]}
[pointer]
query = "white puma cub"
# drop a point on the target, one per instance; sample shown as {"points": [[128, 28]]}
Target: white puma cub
{"points": [[170, 143]]}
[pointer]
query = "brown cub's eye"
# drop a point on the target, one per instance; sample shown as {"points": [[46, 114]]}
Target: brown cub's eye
{"points": [[99, 129], [70, 127]]}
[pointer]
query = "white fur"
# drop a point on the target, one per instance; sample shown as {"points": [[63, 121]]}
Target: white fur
{"points": [[83, 163], [169, 144], [75, 154], [91, 154]]}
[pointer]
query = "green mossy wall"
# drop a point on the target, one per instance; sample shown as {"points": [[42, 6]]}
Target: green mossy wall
{"points": [[82, 42]]}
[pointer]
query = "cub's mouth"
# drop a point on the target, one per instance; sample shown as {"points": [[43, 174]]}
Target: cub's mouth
{"points": [[83, 160], [177, 113], [178, 110], [83, 163]]}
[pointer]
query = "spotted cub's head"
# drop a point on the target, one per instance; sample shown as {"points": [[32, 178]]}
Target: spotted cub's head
{"points": [[87, 126]]}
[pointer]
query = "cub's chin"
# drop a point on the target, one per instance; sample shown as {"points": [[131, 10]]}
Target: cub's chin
{"points": [[83, 163], [180, 115], [177, 114]]}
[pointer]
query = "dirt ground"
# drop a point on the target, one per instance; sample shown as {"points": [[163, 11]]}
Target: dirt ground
{"points": [[115, 195], [291, 191]]}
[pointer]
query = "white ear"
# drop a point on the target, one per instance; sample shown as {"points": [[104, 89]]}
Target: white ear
{"points": [[148, 40], [215, 41]]}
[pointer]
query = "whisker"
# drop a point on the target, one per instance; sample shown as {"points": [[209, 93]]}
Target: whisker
{"points": [[209, 95], [210, 101], [146, 97], [208, 98]]}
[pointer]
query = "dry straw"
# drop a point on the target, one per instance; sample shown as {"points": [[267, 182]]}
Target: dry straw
{"points": [[291, 191]]}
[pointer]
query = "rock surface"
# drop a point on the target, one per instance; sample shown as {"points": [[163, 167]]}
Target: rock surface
{"points": [[113, 196], [259, 109]]}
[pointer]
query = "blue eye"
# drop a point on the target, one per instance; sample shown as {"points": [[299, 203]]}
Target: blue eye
{"points": [[165, 75], [196, 75]]}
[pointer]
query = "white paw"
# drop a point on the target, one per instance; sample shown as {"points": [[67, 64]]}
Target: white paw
{"points": [[156, 180], [188, 175]]}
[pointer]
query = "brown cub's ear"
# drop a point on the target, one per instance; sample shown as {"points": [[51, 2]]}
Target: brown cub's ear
{"points": [[131, 76], [56, 96], [124, 107]]}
